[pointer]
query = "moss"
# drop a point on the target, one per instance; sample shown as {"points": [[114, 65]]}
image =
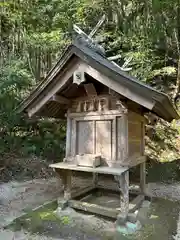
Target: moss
{"points": [[32, 220]]}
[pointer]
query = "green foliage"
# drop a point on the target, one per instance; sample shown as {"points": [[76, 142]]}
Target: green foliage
{"points": [[43, 137]]}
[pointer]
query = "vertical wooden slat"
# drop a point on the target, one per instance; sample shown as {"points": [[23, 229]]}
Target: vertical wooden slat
{"points": [[95, 175], [73, 138], [142, 138], [125, 124], [104, 138], [122, 132], [143, 165], [94, 137], [143, 177], [68, 137], [114, 140]]}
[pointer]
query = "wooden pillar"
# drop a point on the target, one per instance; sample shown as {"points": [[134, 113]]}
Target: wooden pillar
{"points": [[143, 177], [95, 179], [124, 197], [65, 176], [67, 185], [68, 136], [95, 175]]}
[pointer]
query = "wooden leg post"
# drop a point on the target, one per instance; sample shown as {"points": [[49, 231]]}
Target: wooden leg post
{"points": [[124, 197], [142, 177], [67, 185], [65, 176], [95, 179]]}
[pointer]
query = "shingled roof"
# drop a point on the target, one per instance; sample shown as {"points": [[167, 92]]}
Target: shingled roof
{"points": [[127, 86]]}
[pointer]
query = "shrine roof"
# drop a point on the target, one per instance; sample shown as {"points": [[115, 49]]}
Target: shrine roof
{"points": [[132, 89]]}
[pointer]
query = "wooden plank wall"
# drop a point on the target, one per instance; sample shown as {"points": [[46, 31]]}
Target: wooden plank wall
{"points": [[135, 137]]}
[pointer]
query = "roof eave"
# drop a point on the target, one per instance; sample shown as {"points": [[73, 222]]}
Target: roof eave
{"points": [[166, 109]]}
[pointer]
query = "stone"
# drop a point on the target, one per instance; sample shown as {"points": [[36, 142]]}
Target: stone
{"points": [[129, 228], [62, 204], [121, 220], [132, 217]]}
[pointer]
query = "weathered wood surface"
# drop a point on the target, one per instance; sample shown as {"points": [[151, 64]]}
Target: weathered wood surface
{"points": [[101, 169], [88, 160], [82, 191], [60, 99], [133, 161], [93, 113], [115, 188], [99, 103], [143, 177], [103, 139], [116, 86], [124, 196], [67, 185], [134, 139], [94, 208], [122, 139], [84, 140], [68, 137], [136, 203], [95, 179], [90, 89], [65, 176], [73, 138]]}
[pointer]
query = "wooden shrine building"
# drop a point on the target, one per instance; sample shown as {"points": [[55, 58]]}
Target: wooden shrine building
{"points": [[104, 108]]}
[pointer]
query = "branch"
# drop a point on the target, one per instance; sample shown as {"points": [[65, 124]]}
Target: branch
{"points": [[177, 42]]}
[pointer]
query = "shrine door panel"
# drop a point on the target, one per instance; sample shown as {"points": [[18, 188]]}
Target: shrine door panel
{"points": [[103, 137], [84, 137]]}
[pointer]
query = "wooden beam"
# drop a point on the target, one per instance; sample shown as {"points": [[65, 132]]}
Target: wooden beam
{"points": [[60, 99], [90, 89], [82, 191], [101, 169], [108, 188], [123, 90], [86, 198], [136, 203], [132, 189], [94, 208]]}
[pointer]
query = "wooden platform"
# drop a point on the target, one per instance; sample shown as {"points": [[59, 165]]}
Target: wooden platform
{"points": [[78, 199], [102, 169]]}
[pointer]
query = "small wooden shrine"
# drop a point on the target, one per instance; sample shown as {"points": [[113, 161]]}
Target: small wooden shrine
{"points": [[104, 108]]}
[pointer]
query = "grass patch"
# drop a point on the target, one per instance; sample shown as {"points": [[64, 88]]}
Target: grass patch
{"points": [[33, 220]]}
